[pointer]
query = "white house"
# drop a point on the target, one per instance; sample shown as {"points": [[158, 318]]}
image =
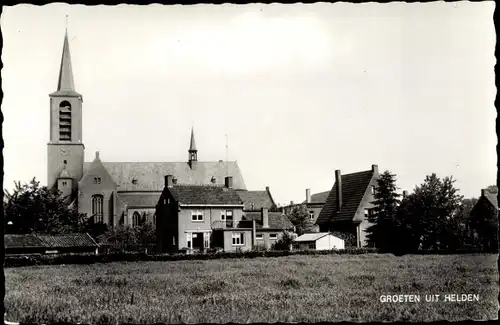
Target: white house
{"points": [[318, 241]]}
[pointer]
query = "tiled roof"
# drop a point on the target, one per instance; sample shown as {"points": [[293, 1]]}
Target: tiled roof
{"points": [[150, 176], [48, 241], [492, 197], [277, 220], [68, 240], [22, 241], [311, 236], [145, 199], [256, 200], [319, 197], [353, 190], [205, 194]]}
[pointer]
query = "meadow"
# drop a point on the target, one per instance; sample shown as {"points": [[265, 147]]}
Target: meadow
{"points": [[297, 288]]}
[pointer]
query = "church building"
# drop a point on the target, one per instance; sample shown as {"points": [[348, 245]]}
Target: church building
{"points": [[114, 192]]}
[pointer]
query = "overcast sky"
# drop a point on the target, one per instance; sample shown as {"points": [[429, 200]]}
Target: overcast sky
{"points": [[300, 90]]}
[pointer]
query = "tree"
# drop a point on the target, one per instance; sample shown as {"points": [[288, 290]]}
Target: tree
{"points": [[383, 230], [432, 211], [34, 208], [299, 216], [285, 242]]}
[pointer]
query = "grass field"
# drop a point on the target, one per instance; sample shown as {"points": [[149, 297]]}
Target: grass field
{"points": [[285, 289]]}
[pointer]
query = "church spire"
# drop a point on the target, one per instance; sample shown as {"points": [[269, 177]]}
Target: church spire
{"points": [[65, 82], [193, 153]]}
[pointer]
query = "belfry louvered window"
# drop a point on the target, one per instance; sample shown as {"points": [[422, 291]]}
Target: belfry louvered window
{"points": [[65, 121], [97, 207]]}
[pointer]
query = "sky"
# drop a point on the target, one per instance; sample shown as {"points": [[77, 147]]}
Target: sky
{"points": [[300, 90]]}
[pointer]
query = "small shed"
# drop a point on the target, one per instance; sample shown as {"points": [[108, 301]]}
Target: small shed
{"points": [[318, 241], [49, 244], [25, 244]]}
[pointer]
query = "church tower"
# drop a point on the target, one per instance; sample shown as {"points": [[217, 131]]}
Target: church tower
{"points": [[65, 152]]}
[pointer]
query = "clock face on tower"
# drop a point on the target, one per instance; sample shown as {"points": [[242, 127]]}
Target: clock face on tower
{"points": [[63, 152]]}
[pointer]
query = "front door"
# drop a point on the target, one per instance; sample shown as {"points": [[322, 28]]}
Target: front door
{"points": [[198, 240]]}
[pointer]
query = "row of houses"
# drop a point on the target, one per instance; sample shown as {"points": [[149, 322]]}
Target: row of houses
{"points": [[198, 217]]}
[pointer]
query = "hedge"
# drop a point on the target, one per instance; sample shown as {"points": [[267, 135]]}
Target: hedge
{"points": [[18, 261]]}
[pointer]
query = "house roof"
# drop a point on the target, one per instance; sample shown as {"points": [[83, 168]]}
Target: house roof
{"points": [[49, 241], [312, 236], [145, 199], [277, 220], [67, 240], [205, 194], [492, 197], [319, 197], [22, 241], [353, 190], [150, 176], [256, 200]]}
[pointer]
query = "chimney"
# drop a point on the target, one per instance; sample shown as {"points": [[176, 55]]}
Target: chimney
{"points": [[338, 180], [483, 191], [291, 202], [308, 195], [405, 194], [375, 169], [169, 181], [265, 218], [229, 182], [97, 154], [267, 189]]}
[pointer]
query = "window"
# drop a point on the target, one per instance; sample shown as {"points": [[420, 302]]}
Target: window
{"points": [[136, 219], [312, 246], [134, 181], [373, 190], [174, 180], [238, 239], [189, 238], [97, 180], [213, 180], [64, 183], [368, 213], [196, 215], [173, 240], [273, 236], [65, 121], [97, 207], [223, 215], [259, 237], [65, 162], [311, 215]]}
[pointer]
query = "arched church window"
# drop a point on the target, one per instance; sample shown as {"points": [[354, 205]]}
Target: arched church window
{"points": [[65, 121], [136, 219], [213, 180], [97, 208]]}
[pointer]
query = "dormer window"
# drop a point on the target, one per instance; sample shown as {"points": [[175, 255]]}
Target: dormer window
{"points": [[97, 180], [174, 180], [134, 181]]}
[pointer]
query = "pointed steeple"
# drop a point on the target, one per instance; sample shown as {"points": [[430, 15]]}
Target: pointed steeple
{"points": [[192, 145], [193, 153], [65, 82]]}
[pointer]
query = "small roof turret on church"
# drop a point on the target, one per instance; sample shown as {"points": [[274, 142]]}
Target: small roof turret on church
{"points": [[193, 153], [192, 145], [65, 83]]}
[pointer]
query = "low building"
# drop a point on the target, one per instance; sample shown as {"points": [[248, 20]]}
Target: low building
{"points": [[28, 244], [318, 241], [349, 204]]}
